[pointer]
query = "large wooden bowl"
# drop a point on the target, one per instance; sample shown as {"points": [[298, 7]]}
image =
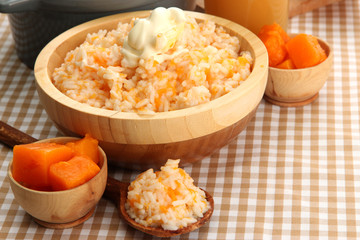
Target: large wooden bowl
{"points": [[298, 87], [141, 141], [62, 209]]}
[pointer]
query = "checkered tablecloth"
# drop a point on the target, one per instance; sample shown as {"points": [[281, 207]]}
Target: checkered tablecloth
{"points": [[294, 173]]}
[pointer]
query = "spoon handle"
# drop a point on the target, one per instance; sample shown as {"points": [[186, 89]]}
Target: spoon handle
{"points": [[12, 136], [113, 190]]}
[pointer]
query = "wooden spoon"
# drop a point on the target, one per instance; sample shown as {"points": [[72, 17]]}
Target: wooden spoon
{"points": [[115, 191]]}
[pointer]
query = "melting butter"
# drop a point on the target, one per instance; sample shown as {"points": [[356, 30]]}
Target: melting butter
{"points": [[153, 35]]}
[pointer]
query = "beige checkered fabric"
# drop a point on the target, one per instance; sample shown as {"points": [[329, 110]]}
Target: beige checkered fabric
{"points": [[294, 173]]}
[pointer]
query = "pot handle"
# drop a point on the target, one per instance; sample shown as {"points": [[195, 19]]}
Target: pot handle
{"points": [[14, 6]]}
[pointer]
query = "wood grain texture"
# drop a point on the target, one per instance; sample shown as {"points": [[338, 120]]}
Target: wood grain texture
{"points": [[67, 224], [61, 209], [145, 156], [296, 87], [11, 136], [118, 130]]}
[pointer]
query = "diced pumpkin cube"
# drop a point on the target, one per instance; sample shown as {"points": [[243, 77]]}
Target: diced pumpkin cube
{"points": [[305, 51], [274, 27], [73, 173], [31, 162], [286, 64], [87, 146], [275, 46]]}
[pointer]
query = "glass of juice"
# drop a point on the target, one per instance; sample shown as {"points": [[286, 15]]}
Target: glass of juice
{"points": [[251, 14]]}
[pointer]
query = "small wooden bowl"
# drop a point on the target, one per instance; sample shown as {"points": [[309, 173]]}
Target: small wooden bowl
{"points": [[62, 209], [298, 87], [142, 141]]}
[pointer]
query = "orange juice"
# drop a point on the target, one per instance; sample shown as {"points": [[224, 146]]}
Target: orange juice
{"points": [[252, 14]]}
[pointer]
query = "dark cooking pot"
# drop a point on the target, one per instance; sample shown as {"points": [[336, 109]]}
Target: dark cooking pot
{"points": [[35, 22]]}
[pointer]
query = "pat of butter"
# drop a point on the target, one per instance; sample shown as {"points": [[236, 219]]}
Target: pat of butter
{"points": [[153, 35]]}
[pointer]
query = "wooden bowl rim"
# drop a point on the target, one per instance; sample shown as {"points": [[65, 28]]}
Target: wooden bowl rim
{"points": [[260, 64], [329, 58], [69, 191]]}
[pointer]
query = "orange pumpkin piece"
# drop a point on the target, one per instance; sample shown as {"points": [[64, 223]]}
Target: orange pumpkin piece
{"points": [[305, 51], [275, 46], [31, 163], [87, 146], [72, 173], [274, 27], [286, 64]]}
